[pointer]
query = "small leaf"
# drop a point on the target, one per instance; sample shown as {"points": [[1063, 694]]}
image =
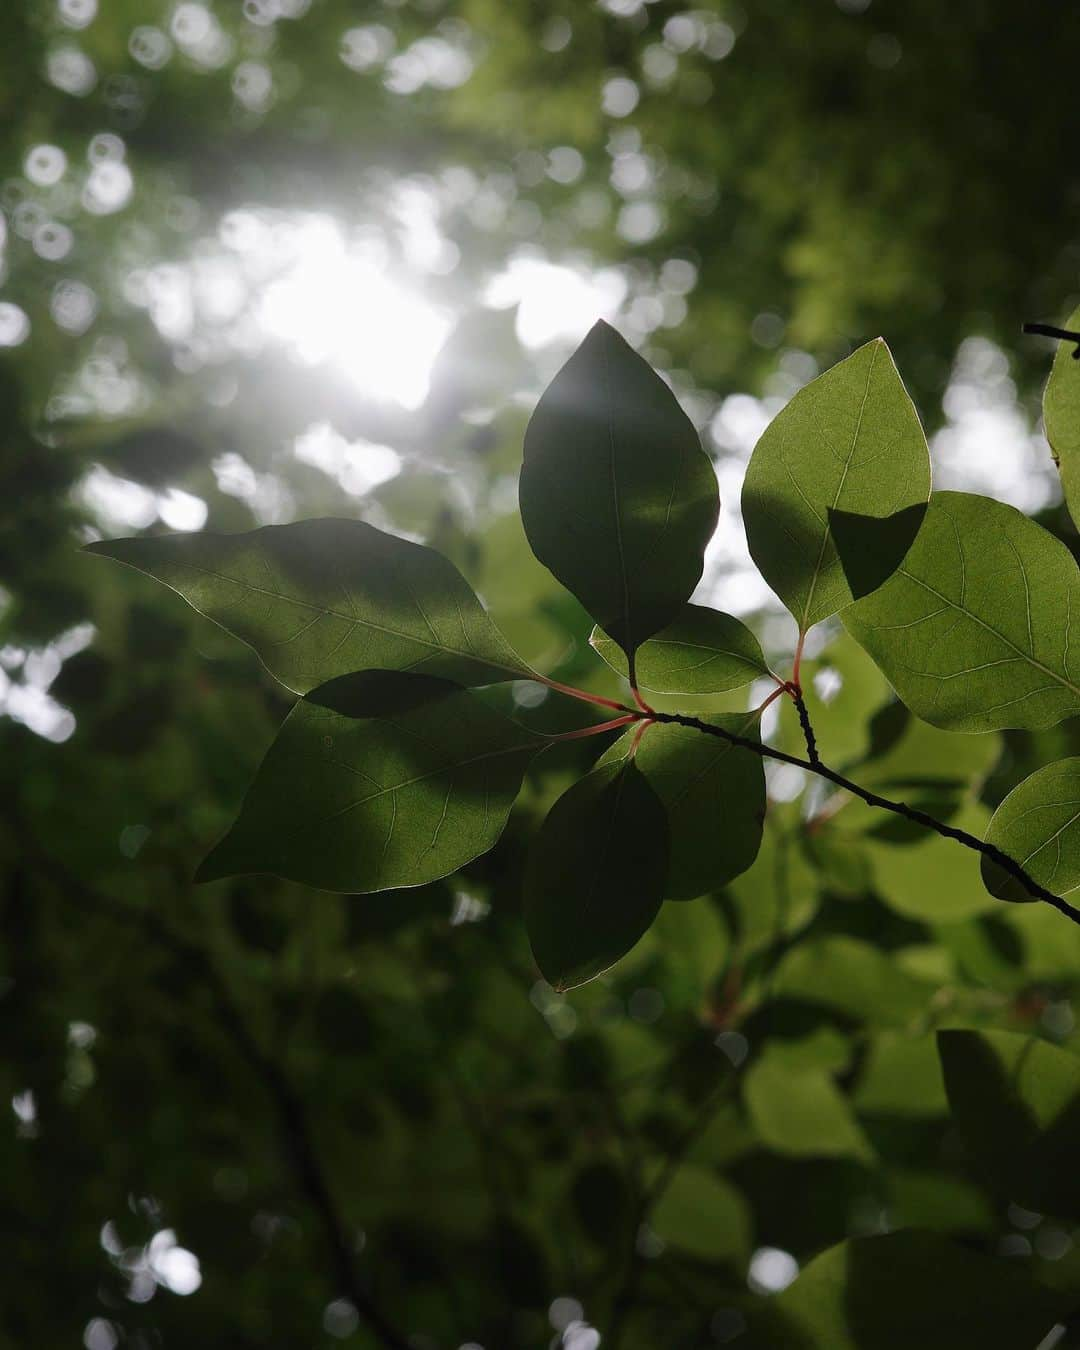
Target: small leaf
{"points": [[703, 1215], [801, 1112], [1038, 825], [714, 796], [1016, 1102], [378, 799], [836, 486], [854, 977], [617, 496], [702, 652], [908, 1289], [594, 881], [1061, 413], [974, 630], [322, 598]]}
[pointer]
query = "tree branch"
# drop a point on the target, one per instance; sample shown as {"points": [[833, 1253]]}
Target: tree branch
{"points": [[912, 813], [1061, 334]]}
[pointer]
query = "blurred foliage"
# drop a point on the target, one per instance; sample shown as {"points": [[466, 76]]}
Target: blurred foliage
{"points": [[503, 1164]]}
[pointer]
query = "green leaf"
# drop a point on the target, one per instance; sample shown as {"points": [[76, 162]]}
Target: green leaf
{"points": [[801, 1112], [836, 486], [594, 880], [714, 796], [779, 894], [321, 598], [1038, 824], [854, 977], [974, 630], [395, 796], [1016, 1102], [1061, 413], [617, 496], [702, 652], [703, 1215], [902, 1077], [907, 1289], [932, 878]]}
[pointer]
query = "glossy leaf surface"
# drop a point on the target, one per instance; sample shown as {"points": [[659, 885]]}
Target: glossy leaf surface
{"points": [[974, 630], [1038, 824], [321, 598], [835, 487], [702, 652], [714, 796], [1061, 413], [595, 876], [397, 797], [617, 496]]}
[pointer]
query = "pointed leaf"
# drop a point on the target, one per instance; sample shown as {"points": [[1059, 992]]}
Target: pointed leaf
{"points": [[974, 630], [617, 496], [801, 1112], [1016, 1102], [700, 1213], [1038, 824], [714, 796], [907, 1289], [394, 796], [1061, 413], [595, 877], [321, 598], [835, 487], [702, 652]]}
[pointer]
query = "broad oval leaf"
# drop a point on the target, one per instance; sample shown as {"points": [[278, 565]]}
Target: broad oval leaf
{"points": [[836, 486], [321, 598], [906, 1289], [594, 881], [1016, 1102], [703, 651], [394, 796], [714, 796], [1061, 413], [974, 630], [1038, 825], [617, 496]]}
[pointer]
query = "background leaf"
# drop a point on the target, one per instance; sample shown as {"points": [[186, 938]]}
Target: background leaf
{"points": [[1037, 825], [1016, 1102], [703, 1215], [713, 793], [974, 630], [321, 598], [702, 652], [1061, 413], [849, 442], [364, 803], [617, 497], [596, 872]]}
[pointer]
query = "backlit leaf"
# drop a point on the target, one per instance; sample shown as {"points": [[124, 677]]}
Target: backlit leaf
{"points": [[836, 485], [1061, 413], [394, 797], [1038, 825], [321, 598], [702, 652], [703, 1215], [617, 496], [1016, 1102], [801, 1112], [974, 630], [595, 876], [714, 796]]}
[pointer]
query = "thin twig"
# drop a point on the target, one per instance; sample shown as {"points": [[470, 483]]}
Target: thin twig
{"points": [[1061, 334], [912, 813]]}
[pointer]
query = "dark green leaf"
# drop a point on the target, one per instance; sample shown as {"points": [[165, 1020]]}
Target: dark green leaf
{"points": [[595, 877], [1037, 825], [801, 1112], [836, 485], [974, 630], [909, 1289], [714, 796], [1061, 413], [322, 598], [1016, 1101], [703, 1215], [617, 497], [702, 652], [368, 802]]}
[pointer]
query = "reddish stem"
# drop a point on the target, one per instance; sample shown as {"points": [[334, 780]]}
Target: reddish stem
{"points": [[583, 694], [797, 663], [642, 729], [598, 728], [780, 689]]}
